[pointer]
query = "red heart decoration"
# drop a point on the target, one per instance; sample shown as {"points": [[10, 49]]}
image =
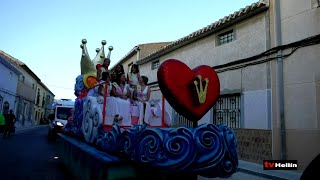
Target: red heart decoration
{"points": [[176, 82]]}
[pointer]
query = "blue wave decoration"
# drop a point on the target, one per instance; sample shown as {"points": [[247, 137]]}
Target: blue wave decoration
{"points": [[208, 150], [74, 128], [79, 85]]}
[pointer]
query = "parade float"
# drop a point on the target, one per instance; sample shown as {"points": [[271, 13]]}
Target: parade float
{"points": [[208, 150]]}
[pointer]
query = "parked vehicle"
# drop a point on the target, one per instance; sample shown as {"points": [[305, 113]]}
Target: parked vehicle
{"points": [[62, 111]]}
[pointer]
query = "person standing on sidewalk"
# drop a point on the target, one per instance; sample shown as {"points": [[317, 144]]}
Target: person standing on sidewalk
{"points": [[2, 123], [9, 123]]}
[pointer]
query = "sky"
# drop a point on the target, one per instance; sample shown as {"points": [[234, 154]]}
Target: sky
{"points": [[46, 35]]}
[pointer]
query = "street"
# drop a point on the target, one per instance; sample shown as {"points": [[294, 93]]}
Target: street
{"points": [[28, 155], [236, 176]]}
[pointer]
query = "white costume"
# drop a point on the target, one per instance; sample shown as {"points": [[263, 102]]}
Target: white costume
{"points": [[133, 79], [110, 104], [142, 95], [122, 106], [156, 114]]}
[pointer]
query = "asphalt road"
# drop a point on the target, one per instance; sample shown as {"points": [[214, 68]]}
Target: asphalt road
{"points": [[236, 176], [29, 155]]}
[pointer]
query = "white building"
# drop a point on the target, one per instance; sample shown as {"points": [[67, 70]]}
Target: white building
{"points": [[8, 86]]}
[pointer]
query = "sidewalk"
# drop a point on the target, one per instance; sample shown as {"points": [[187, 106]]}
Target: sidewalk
{"points": [[254, 171], [257, 169]]}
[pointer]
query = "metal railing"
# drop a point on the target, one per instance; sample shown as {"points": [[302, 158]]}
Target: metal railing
{"points": [[227, 111], [181, 121]]}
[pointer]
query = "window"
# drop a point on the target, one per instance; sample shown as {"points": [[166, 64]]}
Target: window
{"points": [[38, 97], [63, 113], [36, 116], [32, 86], [25, 112], [22, 78], [43, 99], [6, 106], [155, 65], [10, 76], [48, 100], [227, 111], [226, 37]]}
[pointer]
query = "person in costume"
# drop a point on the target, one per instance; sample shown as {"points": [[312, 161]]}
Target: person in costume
{"points": [[119, 70], [98, 92], [142, 95], [133, 77], [121, 92], [102, 68], [2, 122]]}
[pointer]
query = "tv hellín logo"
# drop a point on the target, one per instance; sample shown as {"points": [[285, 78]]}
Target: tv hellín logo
{"points": [[280, 164]]}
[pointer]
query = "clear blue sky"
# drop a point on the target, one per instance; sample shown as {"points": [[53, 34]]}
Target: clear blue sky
{"points": [[46, 35]]}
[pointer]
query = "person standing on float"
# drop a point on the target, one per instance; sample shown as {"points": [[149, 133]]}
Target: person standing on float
{"points": [[102, 68]]}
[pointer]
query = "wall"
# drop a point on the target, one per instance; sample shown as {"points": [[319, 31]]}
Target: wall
{"points": [[39, 109], [257, 109], [26, 91], [301, 92], [299, 19], [8, 86], [254, 145], [251, 34]]}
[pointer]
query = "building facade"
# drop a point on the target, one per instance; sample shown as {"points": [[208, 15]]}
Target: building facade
{"points": [[41, 103], [9, 76], [295, 96], [266, 56], [28, 110], [26, 89]]}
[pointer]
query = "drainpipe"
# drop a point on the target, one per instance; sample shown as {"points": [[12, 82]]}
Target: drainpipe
{"points": [[280, 84]]}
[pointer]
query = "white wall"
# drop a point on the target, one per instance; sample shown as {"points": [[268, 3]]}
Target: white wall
{"points": [[257, 109], [8, 85], [299, 19], [250, 39]]}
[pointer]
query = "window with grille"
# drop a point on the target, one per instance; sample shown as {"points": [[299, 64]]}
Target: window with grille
{"points": [[155, 64], [226, 37], [227, 111]]}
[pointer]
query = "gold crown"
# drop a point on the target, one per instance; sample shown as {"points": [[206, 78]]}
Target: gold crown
{"points": [[89, 66], [202, 93]]}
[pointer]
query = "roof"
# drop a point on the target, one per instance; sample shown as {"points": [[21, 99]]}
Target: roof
{"points": [[9, 66], [17, 63], [143, 48], [229, 20]]}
